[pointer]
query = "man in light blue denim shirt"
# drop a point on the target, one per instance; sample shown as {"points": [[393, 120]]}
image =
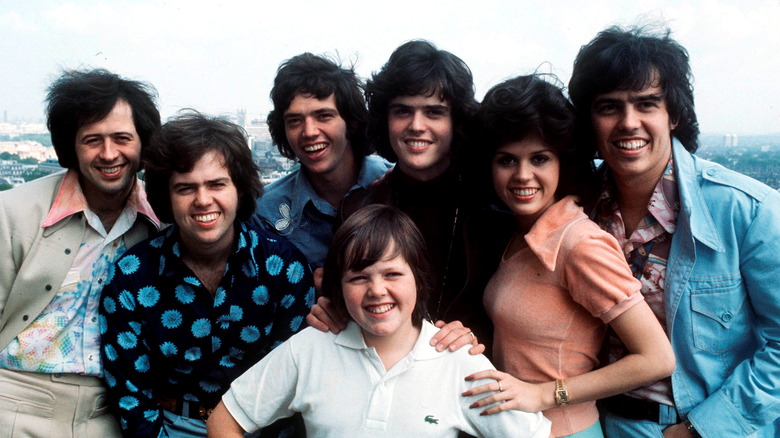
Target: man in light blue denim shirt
{"points": [[703, 240], [319, 118]]}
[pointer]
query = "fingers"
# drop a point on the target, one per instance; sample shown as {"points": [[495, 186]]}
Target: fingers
{"points": [[477, 349], [486, 374], [317, 279], [454, 335], [323, 317], [499, 399], [504, 392], [482, 389]]}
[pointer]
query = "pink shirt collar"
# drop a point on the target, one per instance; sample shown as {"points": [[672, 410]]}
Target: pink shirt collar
{"points": [[546, 235], [70, 200]]}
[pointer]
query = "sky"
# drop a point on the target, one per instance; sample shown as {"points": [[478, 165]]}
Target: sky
{"points": [[220, 56]]}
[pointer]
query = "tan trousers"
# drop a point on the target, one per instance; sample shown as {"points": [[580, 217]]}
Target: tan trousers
{"points": [[54, 405]]}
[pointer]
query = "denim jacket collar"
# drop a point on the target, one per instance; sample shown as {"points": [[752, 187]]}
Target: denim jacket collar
{"points": [[692, 202]]}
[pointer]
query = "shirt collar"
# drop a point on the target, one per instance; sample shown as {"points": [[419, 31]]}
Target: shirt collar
{"points": [[662, 206], [352, 337], [546, 235], [170, 246], [304, 193], [70, 200]]}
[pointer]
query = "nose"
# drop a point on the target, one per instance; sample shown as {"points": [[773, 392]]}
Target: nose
{"points": [[523, 171], [630, 119], [109, 151], [376, 288], [202, 197], [417, 123], [310, 129]]}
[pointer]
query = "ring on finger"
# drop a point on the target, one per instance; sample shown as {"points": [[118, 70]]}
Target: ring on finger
{"points": [[473, 337], [500, 389]]}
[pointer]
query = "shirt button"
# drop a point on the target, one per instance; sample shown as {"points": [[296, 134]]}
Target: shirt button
{"points": [[727, 316], [48, 287], [67, 250], [25, 317], [711, 172], [57, 375], [100, 281]]}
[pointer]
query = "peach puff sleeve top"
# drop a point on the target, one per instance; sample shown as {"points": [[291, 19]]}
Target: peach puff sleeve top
{"points": [[550, 304]]}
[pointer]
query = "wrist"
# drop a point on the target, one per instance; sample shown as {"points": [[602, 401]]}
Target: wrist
{"points": [[546, 393], [691, 430]]}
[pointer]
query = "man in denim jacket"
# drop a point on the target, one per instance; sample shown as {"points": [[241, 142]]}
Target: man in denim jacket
{"points": [[319, 119], [703, 240]]}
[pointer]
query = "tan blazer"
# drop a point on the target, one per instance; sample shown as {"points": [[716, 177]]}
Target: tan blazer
{"points": [[35, 260]]}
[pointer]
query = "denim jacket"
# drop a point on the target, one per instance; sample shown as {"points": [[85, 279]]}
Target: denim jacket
{"points": [[723, 300]]}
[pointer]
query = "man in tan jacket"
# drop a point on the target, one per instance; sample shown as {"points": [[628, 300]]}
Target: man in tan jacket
{"points": [[60, 236]]}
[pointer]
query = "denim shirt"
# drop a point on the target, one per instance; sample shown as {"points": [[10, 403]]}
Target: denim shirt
{"points": [[292, 208], [723, 300]]}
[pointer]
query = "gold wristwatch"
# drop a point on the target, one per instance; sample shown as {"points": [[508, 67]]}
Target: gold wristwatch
{"points": [[561, 393]]}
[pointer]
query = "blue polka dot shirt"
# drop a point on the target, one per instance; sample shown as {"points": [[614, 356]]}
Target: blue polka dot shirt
{"points": [[164, 335]]}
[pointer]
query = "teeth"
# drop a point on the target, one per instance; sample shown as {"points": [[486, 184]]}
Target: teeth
{"points": [[631, 144], [524, 192], [111, 169], [380, 309], [418, 144], [315, 147], [206, 217]]}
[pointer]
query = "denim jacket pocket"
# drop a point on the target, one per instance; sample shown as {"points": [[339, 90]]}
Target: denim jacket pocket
{"points": [[718, 317]]}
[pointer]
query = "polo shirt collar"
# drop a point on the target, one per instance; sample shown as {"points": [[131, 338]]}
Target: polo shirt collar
{"points": [[352, 337]]}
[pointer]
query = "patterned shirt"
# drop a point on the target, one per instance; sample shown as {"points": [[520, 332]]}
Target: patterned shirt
{"points": [[647, 252], [64, 337], [166, 336]]}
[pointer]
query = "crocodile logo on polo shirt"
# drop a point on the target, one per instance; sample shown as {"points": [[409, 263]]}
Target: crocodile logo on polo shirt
{"points": [[431, 419]]}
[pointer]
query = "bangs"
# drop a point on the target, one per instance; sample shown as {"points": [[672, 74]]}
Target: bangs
{"points": [[369, 247]]}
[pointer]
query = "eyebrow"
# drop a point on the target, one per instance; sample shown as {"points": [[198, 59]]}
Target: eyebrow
{"points": [[426, 107], [98, 134], [653, 97], [315, 113], [195, 184]]}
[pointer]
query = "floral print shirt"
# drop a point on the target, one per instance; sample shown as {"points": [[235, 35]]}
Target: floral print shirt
{"points": [[647, 252], [64, 337]]}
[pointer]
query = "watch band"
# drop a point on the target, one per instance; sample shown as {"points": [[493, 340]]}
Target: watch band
{"points": [[561, 393], [694, 433]]}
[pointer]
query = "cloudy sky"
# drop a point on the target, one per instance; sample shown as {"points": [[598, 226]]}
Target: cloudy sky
{"points": [[220, 56]]}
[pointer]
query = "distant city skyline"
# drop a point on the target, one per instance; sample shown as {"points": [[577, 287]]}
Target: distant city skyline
{"points": [[221, 57]]}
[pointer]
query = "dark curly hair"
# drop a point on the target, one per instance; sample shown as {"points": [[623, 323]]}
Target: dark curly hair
{"points": [[81, 97], [363, 239], [535, 105], [419, 68], [319, 76], [633, 59], [184, 140]]}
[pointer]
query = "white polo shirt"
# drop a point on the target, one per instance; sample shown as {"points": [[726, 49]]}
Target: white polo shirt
{"points": [[342, 389]]}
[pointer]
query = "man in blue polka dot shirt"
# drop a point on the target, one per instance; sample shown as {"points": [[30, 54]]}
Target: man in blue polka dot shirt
{"points": [[191, 308]]}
